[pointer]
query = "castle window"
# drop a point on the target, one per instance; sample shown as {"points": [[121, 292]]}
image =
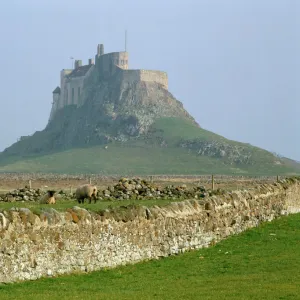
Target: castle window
{"points": [[72, 96], [66, 97]]}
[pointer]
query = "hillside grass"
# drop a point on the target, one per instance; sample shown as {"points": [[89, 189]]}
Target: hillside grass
{"points": [[142, 157], [136, 160], [175, 128], [119, 159], [260, 263]]}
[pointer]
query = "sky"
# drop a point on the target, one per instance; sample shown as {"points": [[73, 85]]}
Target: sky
{"points": [[234, 64]]}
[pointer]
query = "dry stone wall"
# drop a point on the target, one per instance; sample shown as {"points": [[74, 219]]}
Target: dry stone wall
{"points": [[51, 243]]}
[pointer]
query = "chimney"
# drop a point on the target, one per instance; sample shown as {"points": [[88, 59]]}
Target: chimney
{"points": [[78, 63], [91, 61], [100, 49]]}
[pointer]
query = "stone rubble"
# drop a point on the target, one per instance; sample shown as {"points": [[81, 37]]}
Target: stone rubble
{"points": [[29, 194], [139, 189], [125, 189]]}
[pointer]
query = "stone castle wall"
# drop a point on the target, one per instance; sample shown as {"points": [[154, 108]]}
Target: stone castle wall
{"points": [[154, 76], [132, 76], [107, 64], [73, 88], [55, 243], [63, 93]]}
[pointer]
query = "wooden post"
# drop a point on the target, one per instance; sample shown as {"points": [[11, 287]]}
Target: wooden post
{"points": [[90, 180], [70, 189], [212, 182], [30, 184]]}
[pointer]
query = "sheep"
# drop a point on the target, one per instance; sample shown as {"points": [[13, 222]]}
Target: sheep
{"points": [[48, 198], [86, 191]]}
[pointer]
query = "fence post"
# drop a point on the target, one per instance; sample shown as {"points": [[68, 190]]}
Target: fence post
{"points": [[212, 182], [90, 180], [30, 184]]}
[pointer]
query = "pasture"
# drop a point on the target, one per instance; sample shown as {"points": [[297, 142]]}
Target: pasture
{"points": [[67, 183], [62, 205]]}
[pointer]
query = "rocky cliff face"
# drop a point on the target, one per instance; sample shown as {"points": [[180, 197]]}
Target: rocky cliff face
{"points": [[113, 110], [133, 115]]}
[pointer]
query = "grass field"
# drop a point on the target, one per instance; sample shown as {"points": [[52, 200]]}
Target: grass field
{"points": [[142, 160], [261, 263], [62, 205], [118, 159]]}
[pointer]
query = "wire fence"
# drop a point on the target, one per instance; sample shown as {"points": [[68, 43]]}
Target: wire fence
{"points": [[49, 176]]}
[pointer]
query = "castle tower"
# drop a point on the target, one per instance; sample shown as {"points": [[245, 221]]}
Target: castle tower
{"points": [[55, 103], [78, 63], [100, 49]]}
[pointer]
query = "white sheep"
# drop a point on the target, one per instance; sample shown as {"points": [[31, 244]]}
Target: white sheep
{"points": [[48, 198], [86, 191]]}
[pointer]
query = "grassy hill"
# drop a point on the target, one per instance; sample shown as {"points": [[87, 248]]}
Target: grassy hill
{"points": [[261, 263], [170, 146], [134, 128]]}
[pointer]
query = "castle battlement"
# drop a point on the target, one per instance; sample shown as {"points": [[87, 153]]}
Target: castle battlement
{"points": [[106, 65]]}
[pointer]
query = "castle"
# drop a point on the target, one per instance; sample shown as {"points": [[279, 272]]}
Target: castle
{"points": [[106, 66]]}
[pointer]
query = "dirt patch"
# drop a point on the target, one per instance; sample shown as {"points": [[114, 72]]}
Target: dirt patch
{"points": [[10, 182]]}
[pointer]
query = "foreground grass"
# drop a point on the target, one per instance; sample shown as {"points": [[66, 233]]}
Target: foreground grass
{"points": [[262, 263]]}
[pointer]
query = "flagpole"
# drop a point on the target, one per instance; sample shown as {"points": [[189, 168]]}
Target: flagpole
{"points": [[72, 58]]}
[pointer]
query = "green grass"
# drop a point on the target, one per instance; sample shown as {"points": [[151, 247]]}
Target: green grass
{"points": [[134, 160], [174, 128], [261, 263], [119, 159], [62, 205], [140, 158]]}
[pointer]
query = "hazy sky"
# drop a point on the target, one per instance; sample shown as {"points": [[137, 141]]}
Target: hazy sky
{"points": [[234, 64]]}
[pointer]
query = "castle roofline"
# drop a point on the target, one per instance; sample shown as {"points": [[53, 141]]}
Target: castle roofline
{"points": [[57, 90], [79, 71], [116, 52]]}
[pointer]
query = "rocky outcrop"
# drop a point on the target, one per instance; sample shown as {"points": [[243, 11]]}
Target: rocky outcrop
{"points": [[136, 114], [112, 111], [233, 154]]}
